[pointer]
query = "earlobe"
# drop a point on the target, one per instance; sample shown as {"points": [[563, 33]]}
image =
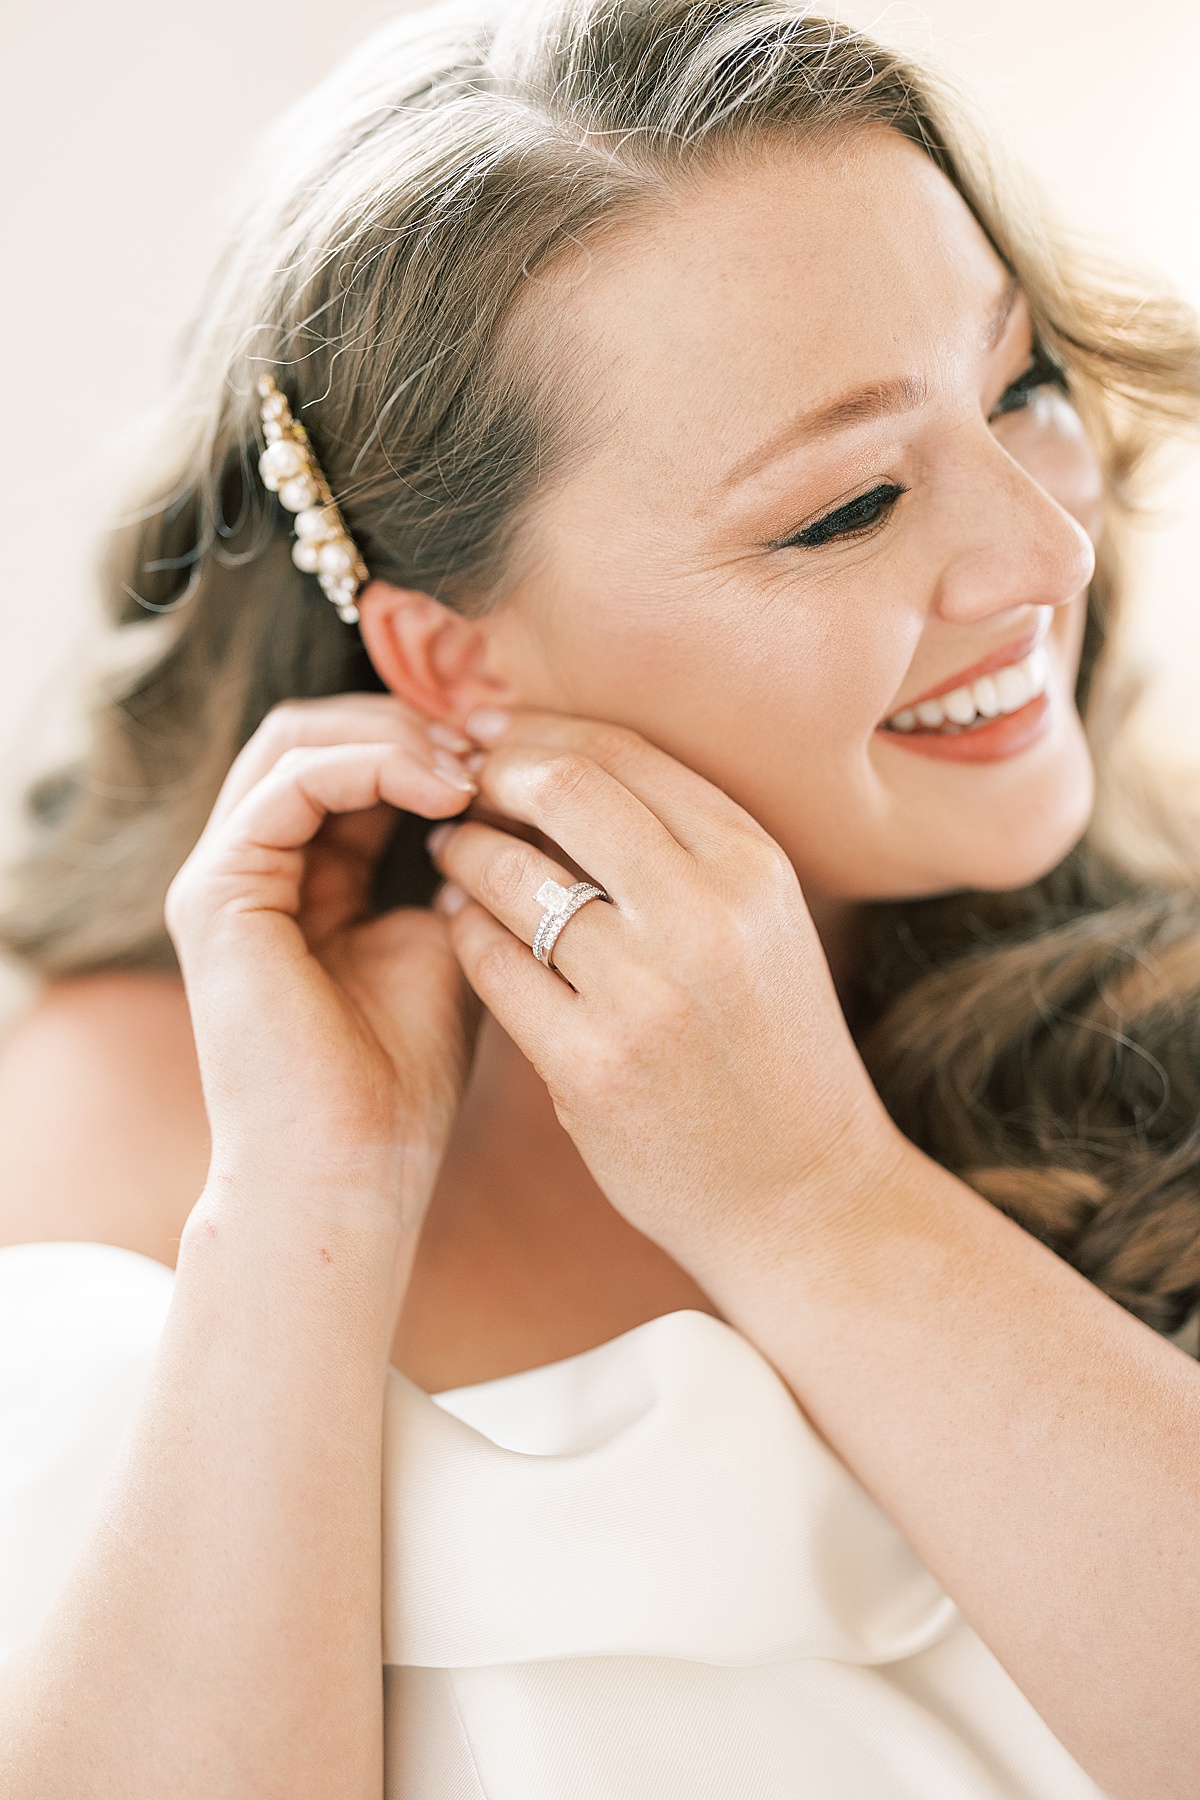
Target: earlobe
{"points": [[426, 654]]}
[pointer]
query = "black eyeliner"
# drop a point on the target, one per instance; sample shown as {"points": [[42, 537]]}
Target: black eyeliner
{"points": [[848, 520]]}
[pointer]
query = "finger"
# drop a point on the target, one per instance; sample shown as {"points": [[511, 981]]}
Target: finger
{"points": [[340, 870], [360, 837], [336, 719], [287, 808], [414, 781], [532, 1005], [505, 874], [590, 814], [696, 813]]}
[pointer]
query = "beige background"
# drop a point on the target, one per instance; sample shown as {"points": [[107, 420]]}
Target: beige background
{"points": [[123, 122]]}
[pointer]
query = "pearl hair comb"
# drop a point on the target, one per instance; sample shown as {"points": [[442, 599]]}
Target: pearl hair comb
{"points": [[289, 468]]}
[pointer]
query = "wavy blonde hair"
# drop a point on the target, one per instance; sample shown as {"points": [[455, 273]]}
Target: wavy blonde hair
{"points": [[1041, 1043]]}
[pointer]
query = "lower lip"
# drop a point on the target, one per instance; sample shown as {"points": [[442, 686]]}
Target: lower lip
{"points": [[999, 738]]}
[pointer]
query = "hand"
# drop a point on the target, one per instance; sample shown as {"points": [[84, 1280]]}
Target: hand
{"points": [[333, 1046], [699, 1057]]}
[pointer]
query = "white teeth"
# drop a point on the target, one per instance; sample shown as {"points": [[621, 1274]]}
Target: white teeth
{"points": [[1004, 691], [1014, 688], [987, 700], [959, 706]]}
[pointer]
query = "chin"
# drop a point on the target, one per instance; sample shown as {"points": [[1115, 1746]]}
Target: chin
{"points": [[995, 826], [1024, 828]]}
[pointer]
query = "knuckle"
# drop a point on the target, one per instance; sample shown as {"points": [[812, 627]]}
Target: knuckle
{"points": [[563, 776], [613, 744], [504, 878], [284, 723], [173, 907], [180, 903], [777, 866], [293, 761], [767, 864], [491, 966]]}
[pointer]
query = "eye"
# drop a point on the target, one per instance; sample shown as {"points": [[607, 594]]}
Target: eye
{"points": [[1042, 372], [853, 519]]}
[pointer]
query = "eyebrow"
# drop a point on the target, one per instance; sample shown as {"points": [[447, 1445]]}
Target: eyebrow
{"points": [[875, 400]]}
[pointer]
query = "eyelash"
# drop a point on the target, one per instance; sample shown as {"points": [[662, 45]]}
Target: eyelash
{"points": [[858, 517], [854, 519], [1042, 372]]}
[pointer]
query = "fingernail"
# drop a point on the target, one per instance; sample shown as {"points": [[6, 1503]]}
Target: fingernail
{"points": [[440, 835], [450, 899], [452, 771], [440, 733], [488, 724]]}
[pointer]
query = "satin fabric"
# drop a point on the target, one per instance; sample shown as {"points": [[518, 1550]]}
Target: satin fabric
{"points": [[634, 1575]]}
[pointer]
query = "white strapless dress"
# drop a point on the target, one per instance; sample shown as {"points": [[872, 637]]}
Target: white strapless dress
{"points": [[634, 1575]]}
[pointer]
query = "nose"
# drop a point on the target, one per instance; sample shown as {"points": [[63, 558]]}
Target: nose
{"points": [[1010, 542]]}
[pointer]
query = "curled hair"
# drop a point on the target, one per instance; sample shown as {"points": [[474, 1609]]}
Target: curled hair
{"points": [[1041, 1043]]}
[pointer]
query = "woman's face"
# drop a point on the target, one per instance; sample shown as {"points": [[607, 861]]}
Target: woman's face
{"points": [[823, 487]]}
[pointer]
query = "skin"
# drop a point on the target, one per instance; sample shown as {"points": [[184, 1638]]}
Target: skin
{"points": [[1036, 1444]]}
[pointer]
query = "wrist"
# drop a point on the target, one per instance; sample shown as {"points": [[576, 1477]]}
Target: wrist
{"points": [[276, 1253], [379, 1190], [838, 1227]]}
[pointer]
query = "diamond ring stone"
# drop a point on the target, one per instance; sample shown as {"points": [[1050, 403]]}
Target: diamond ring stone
{"points": [[561, 903]]}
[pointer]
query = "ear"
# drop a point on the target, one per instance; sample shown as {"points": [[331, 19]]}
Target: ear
{"points": [[428, 655]]}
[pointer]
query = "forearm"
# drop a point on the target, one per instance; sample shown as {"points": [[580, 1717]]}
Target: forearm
{"points": [[1037, 1445], [220, 1636]]}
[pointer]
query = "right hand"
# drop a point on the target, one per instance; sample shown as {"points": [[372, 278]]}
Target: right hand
{"points": [[333, 1046]]}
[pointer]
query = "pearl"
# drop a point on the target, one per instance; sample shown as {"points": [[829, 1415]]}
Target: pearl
{"points": [[336, 557], [304, 556], [317, 522], [282, 460], [274, 406], [298, 493], [272, 430], [348, 614]]}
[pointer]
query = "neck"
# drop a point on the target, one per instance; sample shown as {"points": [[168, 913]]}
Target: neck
{"points": [[522, 1260]]}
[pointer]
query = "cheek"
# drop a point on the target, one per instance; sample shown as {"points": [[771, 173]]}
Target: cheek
{"points": [[777, 701], [766, 686]]}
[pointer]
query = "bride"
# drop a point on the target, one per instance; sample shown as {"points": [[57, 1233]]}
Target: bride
{"points": [[685, 522]]}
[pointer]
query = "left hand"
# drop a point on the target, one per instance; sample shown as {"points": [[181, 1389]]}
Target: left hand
{"points": [[702, 1063], [1036, 1445]]}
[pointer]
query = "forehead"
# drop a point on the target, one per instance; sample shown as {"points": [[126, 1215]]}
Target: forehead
{"points": [[768, 289]]}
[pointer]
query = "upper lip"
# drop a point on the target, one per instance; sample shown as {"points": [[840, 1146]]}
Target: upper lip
{"points": [[1015, 651]]}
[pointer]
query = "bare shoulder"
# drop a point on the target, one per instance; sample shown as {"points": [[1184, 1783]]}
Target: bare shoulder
{"points": [[103, 1136]]}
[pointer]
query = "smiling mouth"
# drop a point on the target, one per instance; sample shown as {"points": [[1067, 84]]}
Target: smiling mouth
{"points": [[975, 704]]}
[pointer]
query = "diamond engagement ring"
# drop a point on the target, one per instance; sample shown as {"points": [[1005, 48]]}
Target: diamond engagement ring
{"points": [[561, 904]]}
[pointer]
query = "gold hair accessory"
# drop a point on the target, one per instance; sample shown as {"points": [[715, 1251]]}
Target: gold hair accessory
{"points": [[289, 468]]}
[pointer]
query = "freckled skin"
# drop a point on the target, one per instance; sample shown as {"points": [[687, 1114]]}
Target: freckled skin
{"points": [[655, 601]]}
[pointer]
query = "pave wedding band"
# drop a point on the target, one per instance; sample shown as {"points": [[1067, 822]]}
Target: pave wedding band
{"points": [[561, 904]]}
